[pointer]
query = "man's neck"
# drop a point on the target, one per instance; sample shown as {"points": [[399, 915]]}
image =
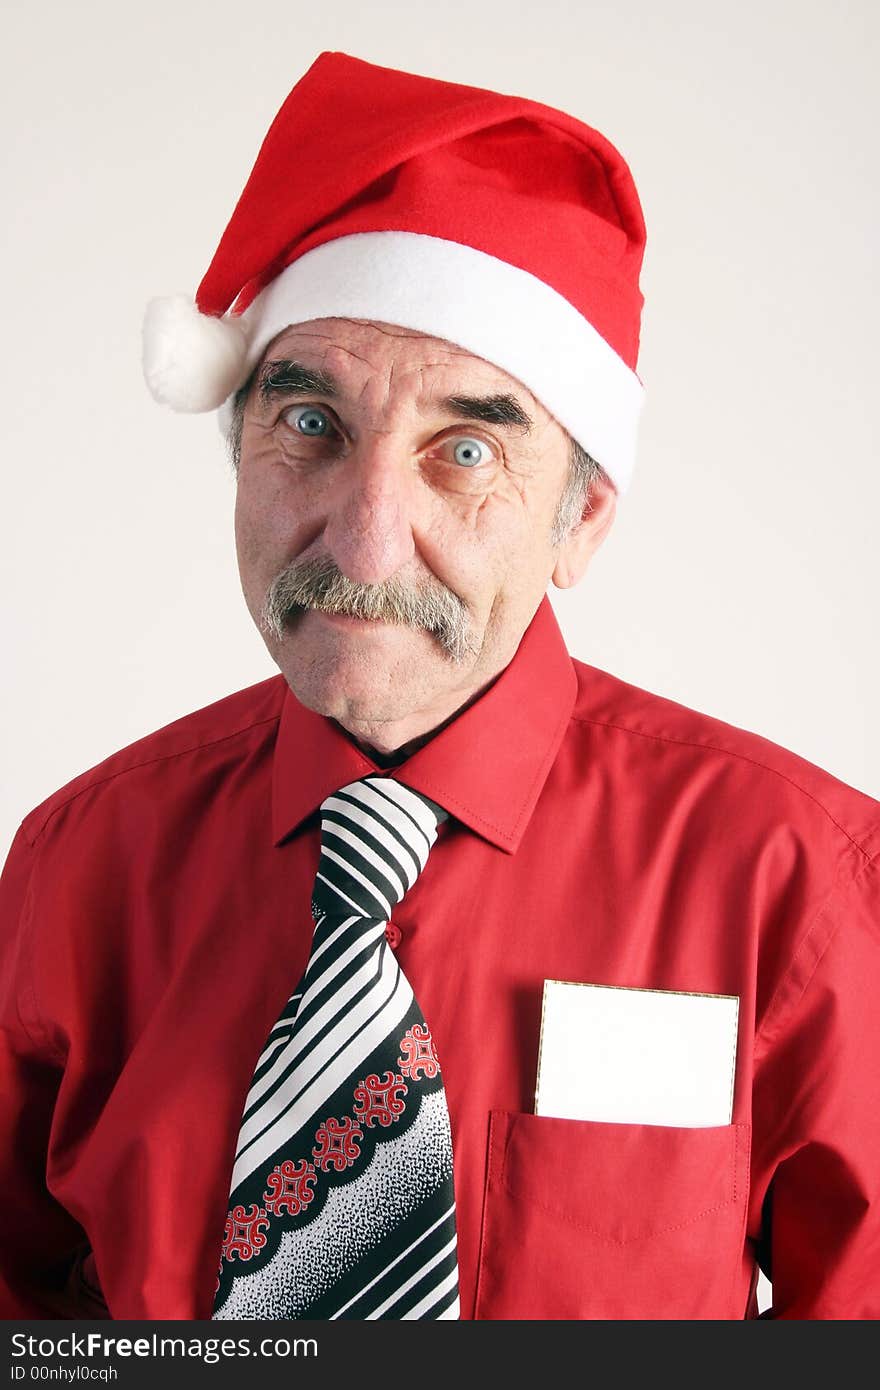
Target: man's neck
{"points": [[396, 756], [388, 758]]}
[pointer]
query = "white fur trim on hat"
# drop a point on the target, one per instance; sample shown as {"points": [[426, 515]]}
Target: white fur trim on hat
{"points": [[490, 308], [192, 361]]}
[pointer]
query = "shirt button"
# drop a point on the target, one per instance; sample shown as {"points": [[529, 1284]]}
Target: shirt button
{"points": [[392, 935]]}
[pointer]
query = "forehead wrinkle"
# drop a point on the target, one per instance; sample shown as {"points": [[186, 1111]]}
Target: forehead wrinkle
{"points": [[490, 403], [468, 379], [453, 355], [434, 394]]}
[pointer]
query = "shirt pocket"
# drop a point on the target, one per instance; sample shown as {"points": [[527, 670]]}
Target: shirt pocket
{"points": [[587, 1219]]}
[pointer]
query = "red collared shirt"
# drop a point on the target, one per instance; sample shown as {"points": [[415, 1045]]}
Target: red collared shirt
{"points": [[155, 919]]}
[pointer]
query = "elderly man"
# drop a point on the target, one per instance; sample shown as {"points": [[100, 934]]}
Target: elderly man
{"points": [[441, 975]]}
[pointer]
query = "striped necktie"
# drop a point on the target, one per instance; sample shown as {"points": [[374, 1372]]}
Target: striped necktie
{"points": [[341, 1201]]}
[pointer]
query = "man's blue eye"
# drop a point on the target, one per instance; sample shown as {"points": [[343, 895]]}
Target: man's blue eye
{"points": [[311, 421], [470, 452]]}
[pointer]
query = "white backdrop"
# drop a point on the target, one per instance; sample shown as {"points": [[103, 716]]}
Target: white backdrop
{"points": [[742, 574]]}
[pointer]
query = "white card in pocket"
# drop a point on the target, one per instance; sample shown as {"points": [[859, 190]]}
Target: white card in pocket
{"points": [[636, 1056]]}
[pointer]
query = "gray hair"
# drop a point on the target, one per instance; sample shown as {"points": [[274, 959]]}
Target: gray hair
{"points": [[318, 582], [583, 471]]}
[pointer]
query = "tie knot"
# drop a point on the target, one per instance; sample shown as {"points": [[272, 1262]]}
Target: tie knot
{"points": [[376, 835]]}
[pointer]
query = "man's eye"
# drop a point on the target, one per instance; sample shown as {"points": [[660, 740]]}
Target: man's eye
{"points": [[469, 452], [309, 420]]}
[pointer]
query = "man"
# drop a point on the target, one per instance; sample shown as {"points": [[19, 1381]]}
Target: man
{"points": [[440, 975]]}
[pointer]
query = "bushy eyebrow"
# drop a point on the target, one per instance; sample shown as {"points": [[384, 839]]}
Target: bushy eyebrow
{"points": [[491, 410], [287, 378]]}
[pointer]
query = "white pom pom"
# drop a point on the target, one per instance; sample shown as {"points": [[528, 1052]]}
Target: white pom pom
{"points": [[192, 361]]}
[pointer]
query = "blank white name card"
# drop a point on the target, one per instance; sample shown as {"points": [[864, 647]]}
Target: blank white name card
{"points": [[636, 1056]]}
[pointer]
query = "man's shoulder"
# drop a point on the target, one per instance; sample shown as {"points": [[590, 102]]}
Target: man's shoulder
{"points": [[686, 738], [253, 711]]}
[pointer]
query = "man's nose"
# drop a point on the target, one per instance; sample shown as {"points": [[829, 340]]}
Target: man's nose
{"points": [[369, 526]]}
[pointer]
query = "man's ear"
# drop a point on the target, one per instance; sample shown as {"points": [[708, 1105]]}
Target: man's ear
{"points": [[584, 539]]}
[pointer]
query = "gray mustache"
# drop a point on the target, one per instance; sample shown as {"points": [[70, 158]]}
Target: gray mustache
{"points": [[319, 583]]}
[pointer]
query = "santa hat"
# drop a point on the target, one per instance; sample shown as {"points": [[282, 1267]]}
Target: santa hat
{"points": [[492, 221]]}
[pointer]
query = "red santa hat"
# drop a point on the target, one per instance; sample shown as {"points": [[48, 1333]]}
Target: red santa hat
{"points": [[495, 222]]}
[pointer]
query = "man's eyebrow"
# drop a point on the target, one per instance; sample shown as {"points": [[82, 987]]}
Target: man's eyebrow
{"points": [[501, 409], [286, 378]]}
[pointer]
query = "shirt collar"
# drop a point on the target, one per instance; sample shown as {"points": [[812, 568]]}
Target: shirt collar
{"points": [[487, 767]]}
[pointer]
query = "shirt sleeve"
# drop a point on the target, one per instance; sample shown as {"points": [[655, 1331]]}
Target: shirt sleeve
{"points": [[817, 1085], [38, 1237]]}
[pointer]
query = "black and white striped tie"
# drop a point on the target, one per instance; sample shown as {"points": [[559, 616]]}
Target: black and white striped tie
{"points": [[341, 1200]]}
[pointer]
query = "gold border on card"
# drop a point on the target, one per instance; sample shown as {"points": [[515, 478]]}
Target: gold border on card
{"points": [[638, 989]]}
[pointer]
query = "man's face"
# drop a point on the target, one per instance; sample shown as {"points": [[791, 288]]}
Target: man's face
{"points": [[405, 466]]}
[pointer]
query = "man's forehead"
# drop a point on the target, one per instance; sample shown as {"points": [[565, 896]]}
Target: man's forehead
{"points": [[343, 348]]}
